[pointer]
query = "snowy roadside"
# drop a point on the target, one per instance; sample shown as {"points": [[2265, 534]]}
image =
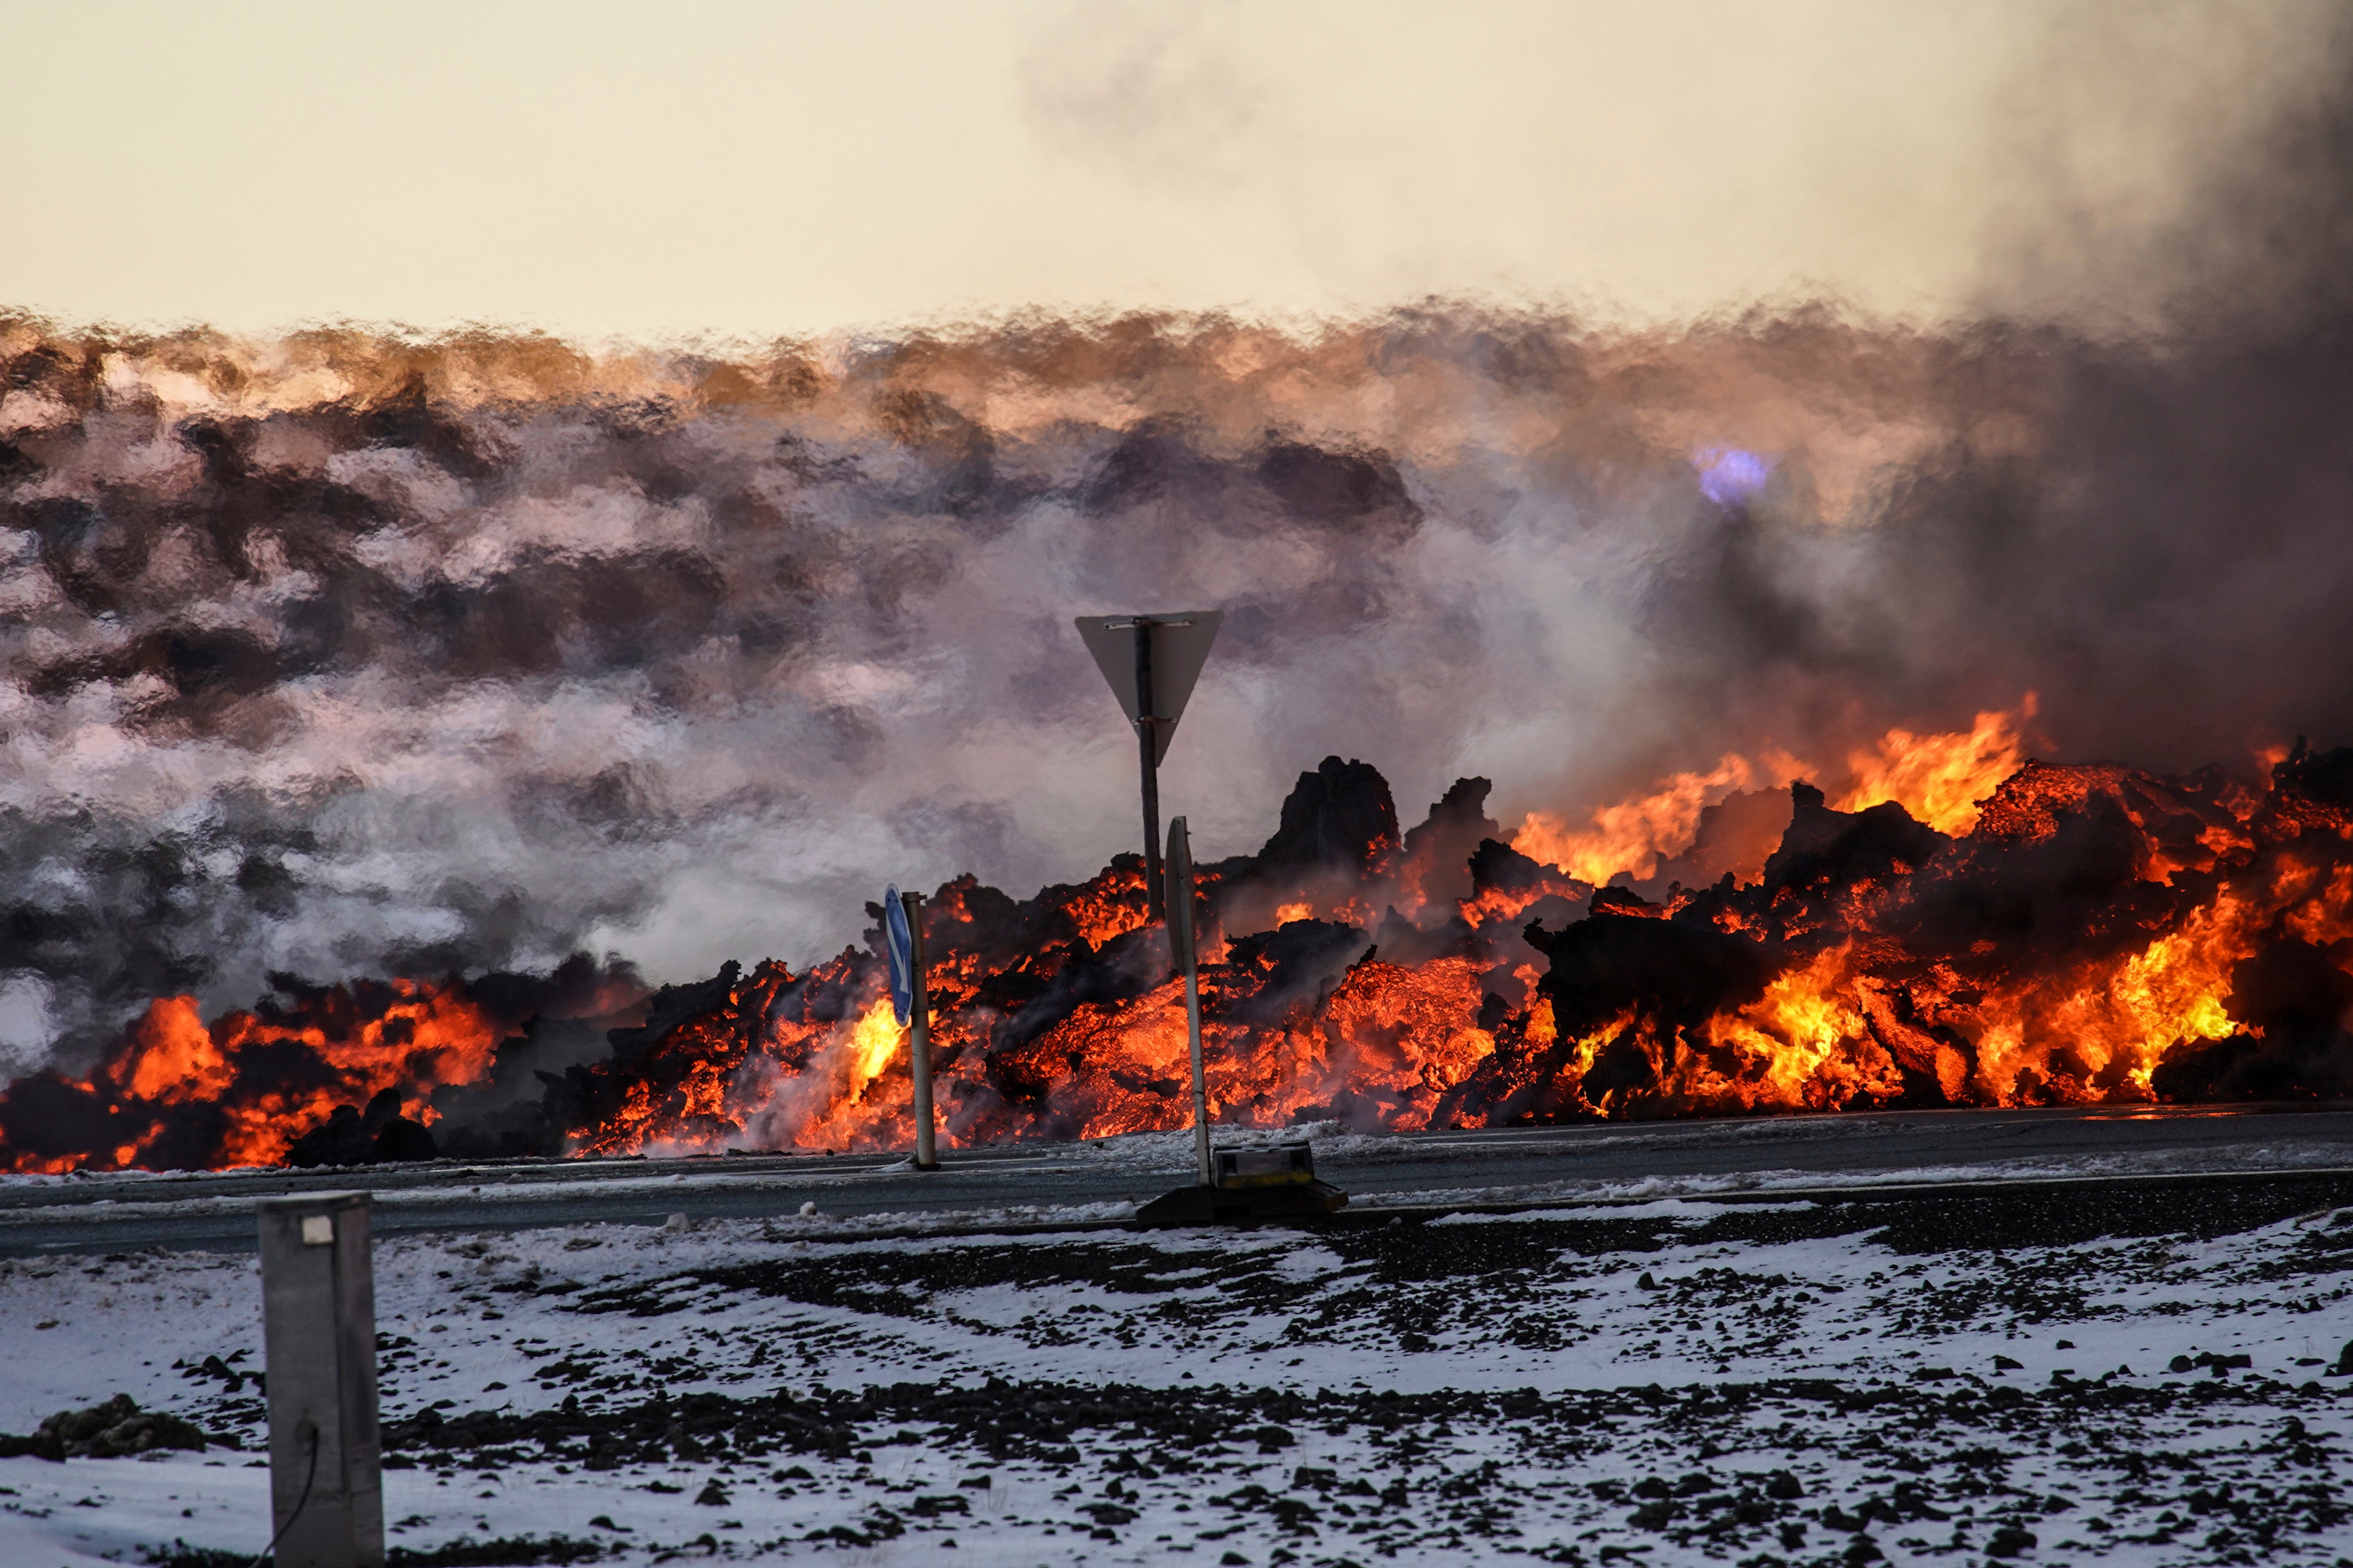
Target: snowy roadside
{"points": [[1809, 1380]]}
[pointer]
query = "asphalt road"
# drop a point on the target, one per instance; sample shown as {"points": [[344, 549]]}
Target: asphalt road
{"points": [[213, 1212]]}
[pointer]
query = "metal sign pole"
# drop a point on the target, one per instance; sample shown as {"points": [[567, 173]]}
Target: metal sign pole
{"points": [[919, 1035], [1181, 939], [1150, 663], [1235, 1186], [1147, 745], [318, 1330]]}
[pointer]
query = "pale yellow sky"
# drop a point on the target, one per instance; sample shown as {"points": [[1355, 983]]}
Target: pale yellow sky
{"points": [[753, 169]]}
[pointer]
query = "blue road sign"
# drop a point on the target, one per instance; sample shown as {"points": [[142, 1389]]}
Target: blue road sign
{"points": [[899, 942]]}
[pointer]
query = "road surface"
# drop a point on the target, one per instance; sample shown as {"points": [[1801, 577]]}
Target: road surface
{"points": [[213, 1211]]}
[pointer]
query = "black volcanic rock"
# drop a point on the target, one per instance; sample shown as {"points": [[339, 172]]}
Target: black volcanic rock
{"points": [[1439, 852], [1339, 815], [116, 1430], [2242, 1067], [2310, 790], [1823, 848], [47, 1116], [2300, 1003], [1300, 961], [674, 1004], [2289, 986], [378, 1135], [400, 1139], [2056, 871], [1623, 956], [1497, 865]]}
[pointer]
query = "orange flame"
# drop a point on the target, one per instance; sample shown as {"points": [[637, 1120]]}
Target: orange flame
{"points": [[1631, 835], [172, 1056], [1939, 779], [1835, 987], [405, 1034]]}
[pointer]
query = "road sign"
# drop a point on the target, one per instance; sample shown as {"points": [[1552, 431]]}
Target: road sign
{"points": [[1153, 674], [902, 943], [1152, 662], [899, 943]]}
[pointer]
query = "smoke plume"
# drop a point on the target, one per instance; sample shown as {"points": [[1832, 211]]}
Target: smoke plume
{"points": [[349, 654]]}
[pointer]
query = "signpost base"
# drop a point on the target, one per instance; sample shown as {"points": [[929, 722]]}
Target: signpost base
{"points": [[1252, 1184]]}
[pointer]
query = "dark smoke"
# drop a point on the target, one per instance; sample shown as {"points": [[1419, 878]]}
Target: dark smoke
{"points": [[345, 655]]}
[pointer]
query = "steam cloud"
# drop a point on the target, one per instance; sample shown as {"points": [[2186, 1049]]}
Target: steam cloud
{"points": [[345, 654]]}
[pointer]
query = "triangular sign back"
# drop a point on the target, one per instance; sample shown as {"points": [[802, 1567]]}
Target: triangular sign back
{"points": [[1180, 646]]}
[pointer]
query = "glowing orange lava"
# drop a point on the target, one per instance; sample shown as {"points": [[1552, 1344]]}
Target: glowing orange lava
{"points": [[1939, 779], [1960, 928]]}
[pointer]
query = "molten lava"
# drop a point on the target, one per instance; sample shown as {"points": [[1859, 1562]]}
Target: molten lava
{"points": [[1632, 836], [1961, 929], [1940, 779]]}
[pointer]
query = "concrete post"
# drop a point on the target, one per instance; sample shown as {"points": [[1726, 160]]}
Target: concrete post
{"points": [[318, 1324]]}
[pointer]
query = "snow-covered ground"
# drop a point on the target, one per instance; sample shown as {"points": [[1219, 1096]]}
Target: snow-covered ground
{"points": [[1799, 1380]]}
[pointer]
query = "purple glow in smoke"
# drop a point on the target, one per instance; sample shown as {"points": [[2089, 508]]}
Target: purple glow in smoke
{"points": [[1729, 476]]}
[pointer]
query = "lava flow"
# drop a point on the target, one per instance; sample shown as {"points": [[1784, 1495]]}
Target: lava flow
{"points": [[1960, 928]]}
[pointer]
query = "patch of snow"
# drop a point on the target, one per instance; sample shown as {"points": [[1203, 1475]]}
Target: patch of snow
{"points": [[1871, 1374]]}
